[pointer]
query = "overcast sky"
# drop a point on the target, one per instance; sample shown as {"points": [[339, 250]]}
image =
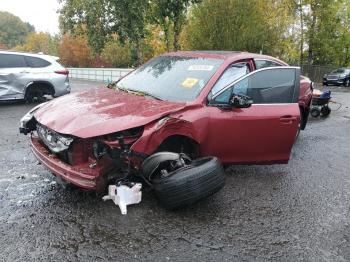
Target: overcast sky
{"points": [[40, 13]]}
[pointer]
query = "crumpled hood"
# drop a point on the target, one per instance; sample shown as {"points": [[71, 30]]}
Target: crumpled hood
{"points": [[101, 111]]}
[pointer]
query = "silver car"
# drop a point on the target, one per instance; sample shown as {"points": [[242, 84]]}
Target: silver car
{"points": [[31, 76]]}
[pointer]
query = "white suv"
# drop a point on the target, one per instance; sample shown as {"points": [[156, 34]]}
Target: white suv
{"points": [[31, 76]]}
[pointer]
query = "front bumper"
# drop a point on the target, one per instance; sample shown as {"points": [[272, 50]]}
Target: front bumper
{"points": [[333, 81], [86, 175]]}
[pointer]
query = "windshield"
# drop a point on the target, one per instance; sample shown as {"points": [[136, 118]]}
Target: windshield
{"points": [[171, 78], [338, 71]]}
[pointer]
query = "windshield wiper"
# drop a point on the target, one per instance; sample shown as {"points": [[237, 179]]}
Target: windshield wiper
{"points": [[143, 93]]}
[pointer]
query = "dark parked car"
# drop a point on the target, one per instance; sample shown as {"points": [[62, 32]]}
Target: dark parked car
{"points": [[239, 107], [340, 76]]}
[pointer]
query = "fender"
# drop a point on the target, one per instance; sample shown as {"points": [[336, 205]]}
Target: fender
{"points": [[155, 133]]}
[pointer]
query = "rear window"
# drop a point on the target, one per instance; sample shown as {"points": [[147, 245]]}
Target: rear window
{"points": [[265, 63], [11, 61], [36, 62]]}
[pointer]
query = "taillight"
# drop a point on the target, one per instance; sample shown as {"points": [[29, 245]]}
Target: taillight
{"points": [[62, 72]]}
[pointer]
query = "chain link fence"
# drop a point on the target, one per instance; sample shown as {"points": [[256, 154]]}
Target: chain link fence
{"points": [[316, 72]]}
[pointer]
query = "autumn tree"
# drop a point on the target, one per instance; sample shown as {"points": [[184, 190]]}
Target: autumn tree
{"points": [[74, 51], [39, 42], [104, 18]]}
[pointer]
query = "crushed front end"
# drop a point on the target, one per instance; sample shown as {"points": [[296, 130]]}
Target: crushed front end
{"points": [[89, 163]]}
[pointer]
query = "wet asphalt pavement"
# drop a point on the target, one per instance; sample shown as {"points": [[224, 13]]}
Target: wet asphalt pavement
{"points": [[299, 211]]}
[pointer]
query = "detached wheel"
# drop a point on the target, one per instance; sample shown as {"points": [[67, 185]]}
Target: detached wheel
{"points": [[325, 111], [187, 185], [315, 112]]}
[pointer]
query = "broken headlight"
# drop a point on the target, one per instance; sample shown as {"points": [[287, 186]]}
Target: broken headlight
{"points": [[27, 122], [53, 140]]}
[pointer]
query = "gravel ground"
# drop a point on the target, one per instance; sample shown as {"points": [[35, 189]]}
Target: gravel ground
{"points": [[299, 211]]}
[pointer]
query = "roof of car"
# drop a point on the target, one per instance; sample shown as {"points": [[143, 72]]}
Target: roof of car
{"points": [[223, 55], [40, 55]]}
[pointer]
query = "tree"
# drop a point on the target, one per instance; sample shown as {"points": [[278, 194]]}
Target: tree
{"points": [[101, 19], [13, 30], [74, 51], [170, 15], [247, 25], [39, 42]]}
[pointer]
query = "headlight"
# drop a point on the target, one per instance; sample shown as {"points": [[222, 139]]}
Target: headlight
{"points": [[26, 124], [342, 76], [54, 141]]}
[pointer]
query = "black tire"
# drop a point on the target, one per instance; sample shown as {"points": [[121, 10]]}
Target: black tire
{"points": [[315, 112], [183, 187], [37, 91], [325, 111], [325, 84], [347, 82]]}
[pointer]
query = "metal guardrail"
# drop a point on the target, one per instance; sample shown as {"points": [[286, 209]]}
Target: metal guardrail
{"points": [[98, 74], [314, 72]]}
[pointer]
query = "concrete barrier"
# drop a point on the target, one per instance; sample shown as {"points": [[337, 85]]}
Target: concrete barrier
{"points": [[98, 74]]}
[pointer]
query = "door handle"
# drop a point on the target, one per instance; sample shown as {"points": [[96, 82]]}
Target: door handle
{"points": [[288, 119]]}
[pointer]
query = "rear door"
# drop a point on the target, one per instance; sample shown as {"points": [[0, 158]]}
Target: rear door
{"points": [[13, 72], [264, 132]]}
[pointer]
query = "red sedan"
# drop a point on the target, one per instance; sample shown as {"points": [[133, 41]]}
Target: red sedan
{"points": [[239, 107]]}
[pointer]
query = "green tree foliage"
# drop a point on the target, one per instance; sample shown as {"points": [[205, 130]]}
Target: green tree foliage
{"points": [[13, 31], [240, 25], [328, 31], [297, 31], [170, 15]]}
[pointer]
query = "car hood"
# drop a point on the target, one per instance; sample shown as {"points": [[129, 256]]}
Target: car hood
{"points": [[101, 111]]}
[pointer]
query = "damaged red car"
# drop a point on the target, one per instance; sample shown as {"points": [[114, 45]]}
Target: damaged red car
{"points": [[173, 122]]}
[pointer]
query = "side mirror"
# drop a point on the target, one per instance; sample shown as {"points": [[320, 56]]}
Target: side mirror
{"points": [[240, 101]]}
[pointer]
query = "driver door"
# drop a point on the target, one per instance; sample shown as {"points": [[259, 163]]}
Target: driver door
{"points": [[264, 132]]}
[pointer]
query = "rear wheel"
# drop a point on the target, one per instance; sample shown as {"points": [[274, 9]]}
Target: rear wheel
{"points": [[37, 92], [347, 82], [325, 111], [315, 112], [189, 184]]}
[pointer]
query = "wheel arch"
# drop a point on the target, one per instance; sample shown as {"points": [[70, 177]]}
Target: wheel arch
{"points": [[49, 86], [179, 143]]}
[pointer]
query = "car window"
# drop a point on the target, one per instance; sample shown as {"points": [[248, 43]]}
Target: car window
{"points": [[231, 74], [265, 63], [172, 78], [264, 87], [11, 61], [36, 62]]}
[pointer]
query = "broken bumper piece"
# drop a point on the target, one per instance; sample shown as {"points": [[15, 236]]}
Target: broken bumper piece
{"points": [[82, 176], [123, 195]]}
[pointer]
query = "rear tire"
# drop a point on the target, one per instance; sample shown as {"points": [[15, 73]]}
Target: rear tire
{"points": [[347, 82], [185, 186], [315, 112], [37, 91], [325, 111]]}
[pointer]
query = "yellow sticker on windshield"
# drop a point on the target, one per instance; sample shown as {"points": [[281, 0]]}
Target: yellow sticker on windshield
{"points": [[190, 82]]}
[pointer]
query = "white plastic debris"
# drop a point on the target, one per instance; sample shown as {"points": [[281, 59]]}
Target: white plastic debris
{"points": [[123, 195]]}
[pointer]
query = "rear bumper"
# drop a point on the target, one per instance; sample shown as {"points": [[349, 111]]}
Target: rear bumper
{"points": [[83, 176]]}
